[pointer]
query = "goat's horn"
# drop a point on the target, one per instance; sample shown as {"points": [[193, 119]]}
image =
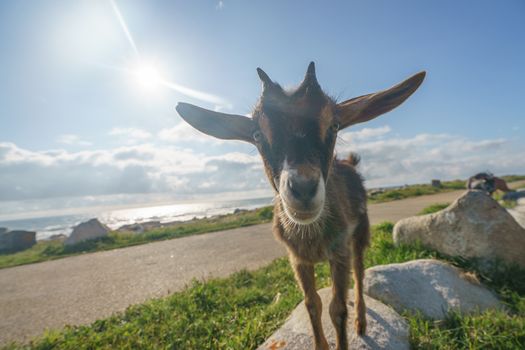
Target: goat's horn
{"points": [[267, 82], [310, 78]]}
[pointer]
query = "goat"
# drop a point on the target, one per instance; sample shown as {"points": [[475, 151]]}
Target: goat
{"points": [[320, 201]]}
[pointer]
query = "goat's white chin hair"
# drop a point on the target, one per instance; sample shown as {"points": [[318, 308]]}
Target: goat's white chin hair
{"points": [[298, 221]]}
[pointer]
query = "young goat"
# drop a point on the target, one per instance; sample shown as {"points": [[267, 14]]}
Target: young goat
{"points": [[320, 207]]}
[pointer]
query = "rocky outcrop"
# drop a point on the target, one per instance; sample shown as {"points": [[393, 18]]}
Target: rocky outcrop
{"points": [[17, 240], [474, 226], [428, 286], [385, 328], [86, 231], [143, 226], [57, 237]]}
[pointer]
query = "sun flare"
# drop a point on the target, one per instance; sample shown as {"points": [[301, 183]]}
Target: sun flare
{"points": [[147, 76]]}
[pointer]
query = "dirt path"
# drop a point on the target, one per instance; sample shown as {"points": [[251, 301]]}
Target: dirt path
{"points": [[84, 288]]}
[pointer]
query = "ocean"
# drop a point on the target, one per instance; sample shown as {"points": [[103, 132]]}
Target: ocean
{"points": [[47, 226]]}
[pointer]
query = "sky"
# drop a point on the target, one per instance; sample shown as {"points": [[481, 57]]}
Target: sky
{"points": [[88, 91]]}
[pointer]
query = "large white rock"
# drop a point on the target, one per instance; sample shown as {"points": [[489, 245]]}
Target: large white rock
{"points": [[87, 230], [429, 286], [474, 226], [385, 330]]}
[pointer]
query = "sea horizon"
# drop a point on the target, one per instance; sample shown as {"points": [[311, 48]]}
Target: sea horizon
{"points": [[49, 223]]}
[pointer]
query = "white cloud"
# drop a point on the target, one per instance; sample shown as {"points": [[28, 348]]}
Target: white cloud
{"points": [[130, 135], [143, 168], [417, 159], [365, 133], [183, 132], [169, 168], [72, 139]]}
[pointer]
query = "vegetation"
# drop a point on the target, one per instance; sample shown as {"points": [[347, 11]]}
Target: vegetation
{"points": [[241, 311], [415, 191], [512, 178], [506, 203], [49, 250], [433, 208]]}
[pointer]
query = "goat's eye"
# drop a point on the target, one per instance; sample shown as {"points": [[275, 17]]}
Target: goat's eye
{"points": [[335, 127], [257, 136]]}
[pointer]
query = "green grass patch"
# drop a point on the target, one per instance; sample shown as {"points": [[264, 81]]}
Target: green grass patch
{"points": [[509, 204], [241, 311], [512, 178], [415, 191], [49, 250], [433, 208]]}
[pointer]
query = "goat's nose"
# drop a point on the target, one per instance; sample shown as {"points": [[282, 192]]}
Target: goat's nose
{"points": [[303, 189]]}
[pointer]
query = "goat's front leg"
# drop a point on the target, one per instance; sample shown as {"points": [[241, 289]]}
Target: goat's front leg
{"points": [[340, 269], [306, 279]]}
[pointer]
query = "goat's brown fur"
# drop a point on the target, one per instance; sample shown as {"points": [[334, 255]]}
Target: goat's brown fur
{"points": [[320, 209]]}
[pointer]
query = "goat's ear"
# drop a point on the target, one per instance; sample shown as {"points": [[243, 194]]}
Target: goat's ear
{"points": [[364, 108], [220, 125]]}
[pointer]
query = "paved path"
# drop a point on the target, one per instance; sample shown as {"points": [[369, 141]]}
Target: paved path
{"points": [[84, 288]]}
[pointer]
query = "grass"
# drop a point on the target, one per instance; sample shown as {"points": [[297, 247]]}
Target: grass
{"points": [[241, 311], [49, 250], [415, 191], [509, 204], [512, 178], [433, 208]]}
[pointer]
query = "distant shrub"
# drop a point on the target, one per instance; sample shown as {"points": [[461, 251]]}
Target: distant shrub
{"points": [[265, 213], [433, 208]]}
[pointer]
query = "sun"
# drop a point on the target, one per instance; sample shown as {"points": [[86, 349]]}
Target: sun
{"points": [[147, 76]]}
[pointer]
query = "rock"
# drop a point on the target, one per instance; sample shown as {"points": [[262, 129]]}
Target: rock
{"points": [[474, 226], [385, 329], [135, 228], [86, 231], [436, 183], [3, 230], [15, 241], [142, 227], [57, 237], [518, 215], [238, 211], [429, 286]]}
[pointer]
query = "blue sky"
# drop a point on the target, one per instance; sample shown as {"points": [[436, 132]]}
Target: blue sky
{"points": [[88, 110]]}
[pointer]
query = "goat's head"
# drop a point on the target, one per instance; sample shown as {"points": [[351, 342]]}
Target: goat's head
{"points": [[295, 132]]}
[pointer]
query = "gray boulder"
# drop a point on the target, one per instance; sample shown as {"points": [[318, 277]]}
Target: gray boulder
{"points": [[385, 328], [57, 237], [474, 226], [86, 231], [428, 286], [135, 228], [15, 241]]}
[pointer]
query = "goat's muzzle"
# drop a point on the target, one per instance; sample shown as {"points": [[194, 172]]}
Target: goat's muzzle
{"points": [[302, 196]]}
